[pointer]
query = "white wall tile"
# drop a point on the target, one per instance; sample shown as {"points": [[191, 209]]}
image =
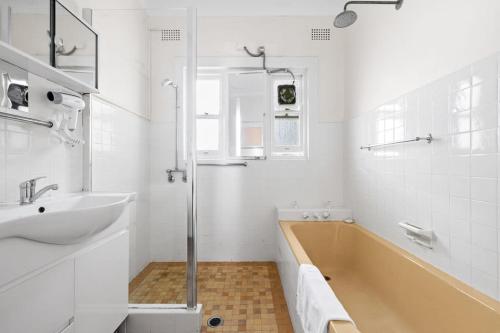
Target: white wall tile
{"points": [[484, 282], [460, 186], [484, 166], [484, 142], [464, 204], [483, 189], [484, 260], [484, 213], [484, 236], [460, 165], [28, 151], [121, 164]]}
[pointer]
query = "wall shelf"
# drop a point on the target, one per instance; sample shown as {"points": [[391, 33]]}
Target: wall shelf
{"points": [[32, 65]]}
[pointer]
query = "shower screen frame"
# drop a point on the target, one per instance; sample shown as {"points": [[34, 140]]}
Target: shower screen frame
{"points": [[191, 162], [189, 153]]}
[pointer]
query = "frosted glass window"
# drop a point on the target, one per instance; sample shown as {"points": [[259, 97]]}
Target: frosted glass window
{"points": [[208, 97], [286, 131], [207, 134]]}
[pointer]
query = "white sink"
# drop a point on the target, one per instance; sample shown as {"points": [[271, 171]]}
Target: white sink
{"points": [[65, 220]]}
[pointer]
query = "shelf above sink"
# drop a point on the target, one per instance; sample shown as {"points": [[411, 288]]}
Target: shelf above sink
{"points": [[70, 219], [31, 64]]}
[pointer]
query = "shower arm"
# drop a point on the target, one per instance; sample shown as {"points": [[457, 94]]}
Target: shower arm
{"points": [[262, 53], [399, 2]]}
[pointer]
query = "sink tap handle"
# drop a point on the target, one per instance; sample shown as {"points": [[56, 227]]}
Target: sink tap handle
{"points": [[27, 189], [32, 181]]}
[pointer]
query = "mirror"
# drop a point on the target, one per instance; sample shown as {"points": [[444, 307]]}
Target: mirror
{"points": [[24, 25], [65, 42], [75, 46]]}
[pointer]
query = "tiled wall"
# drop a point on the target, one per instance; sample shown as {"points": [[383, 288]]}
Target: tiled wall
{"points": [[236, 205], [120, 163], [449, 186], [28, 151]]}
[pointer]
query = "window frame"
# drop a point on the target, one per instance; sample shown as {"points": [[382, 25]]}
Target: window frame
{"points": [[219, 153], [299, 151], [272, 109]]}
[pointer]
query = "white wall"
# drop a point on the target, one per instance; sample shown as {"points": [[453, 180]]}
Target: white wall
{"points": [[236, 205], [120, 163], [451, 185], [120, 117], [28, 151], [392, 52], [124, 58]]}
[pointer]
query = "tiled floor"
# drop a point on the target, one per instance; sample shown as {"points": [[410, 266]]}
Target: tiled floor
{"points": [[248, 296]]}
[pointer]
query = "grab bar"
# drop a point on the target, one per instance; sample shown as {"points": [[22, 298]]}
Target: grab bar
{"points": [[242, 164], [428, 138], [24, 119]]}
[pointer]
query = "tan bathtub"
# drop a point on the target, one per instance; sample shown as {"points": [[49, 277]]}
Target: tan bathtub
{"points": [[384, 288]]}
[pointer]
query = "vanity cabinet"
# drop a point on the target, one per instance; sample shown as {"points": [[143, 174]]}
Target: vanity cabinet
{"points": [[101, 286], [83, 292]]}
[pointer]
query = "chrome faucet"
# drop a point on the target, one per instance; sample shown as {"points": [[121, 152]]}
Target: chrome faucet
{"points": [[28, 193]]}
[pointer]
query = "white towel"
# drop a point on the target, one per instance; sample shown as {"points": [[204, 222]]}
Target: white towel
{"points": [[316, 301]]}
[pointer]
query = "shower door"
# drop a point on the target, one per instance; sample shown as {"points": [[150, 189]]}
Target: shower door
{"points": [[191, 163], [170, 278]]}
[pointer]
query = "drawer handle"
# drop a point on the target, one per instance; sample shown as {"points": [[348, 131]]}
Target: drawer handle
{"points": [[70, 322]]}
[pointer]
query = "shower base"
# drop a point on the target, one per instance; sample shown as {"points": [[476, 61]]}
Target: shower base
{"points": [[247, 295]]}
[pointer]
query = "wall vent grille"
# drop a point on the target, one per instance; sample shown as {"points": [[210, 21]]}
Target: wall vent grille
{"points": [[320, 33], [171, 34]]}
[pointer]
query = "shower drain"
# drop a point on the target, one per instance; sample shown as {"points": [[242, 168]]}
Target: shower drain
{"points": [[215, 321]]}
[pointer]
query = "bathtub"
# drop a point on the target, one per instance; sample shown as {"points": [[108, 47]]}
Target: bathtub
{"points": [[384, 288]]}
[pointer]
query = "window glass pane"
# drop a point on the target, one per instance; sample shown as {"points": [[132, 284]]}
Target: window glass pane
{"points": [[286, 131], [251, 136], [247, 105], [207, 134], [208, 97]]}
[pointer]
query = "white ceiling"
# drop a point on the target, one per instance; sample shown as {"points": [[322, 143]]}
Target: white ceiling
{"points": [[245, 7]]}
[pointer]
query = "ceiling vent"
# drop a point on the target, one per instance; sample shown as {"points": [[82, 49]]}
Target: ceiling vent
{"points": [[320, 34], [171, 34]]}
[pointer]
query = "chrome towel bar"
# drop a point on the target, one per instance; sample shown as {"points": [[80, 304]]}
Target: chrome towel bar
{"points": [[24, 119], [243, 164], [428, 139]]}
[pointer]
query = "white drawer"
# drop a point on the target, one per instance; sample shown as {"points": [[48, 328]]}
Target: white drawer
{"points": [[42, 304]]}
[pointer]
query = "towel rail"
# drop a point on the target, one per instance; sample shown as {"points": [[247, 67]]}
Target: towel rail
{"points": [[427, 138], [243, 164], [24, 119]]}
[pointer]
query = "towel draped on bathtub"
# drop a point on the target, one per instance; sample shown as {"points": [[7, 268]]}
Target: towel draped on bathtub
{"points": [[317, 304]]}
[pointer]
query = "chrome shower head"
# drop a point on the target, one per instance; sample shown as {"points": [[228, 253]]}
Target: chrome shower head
{"points": [[348, 17], [345, 19], [168, 82]]}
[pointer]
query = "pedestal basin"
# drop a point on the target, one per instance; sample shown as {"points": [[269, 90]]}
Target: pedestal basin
{"points": [[68, 219]]}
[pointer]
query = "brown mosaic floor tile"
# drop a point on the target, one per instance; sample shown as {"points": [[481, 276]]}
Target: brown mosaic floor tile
{"points": [[247, 295]]}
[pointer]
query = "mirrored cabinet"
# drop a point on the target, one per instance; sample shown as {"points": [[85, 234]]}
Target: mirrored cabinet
{"points": [[74, 48], [49, 32]]}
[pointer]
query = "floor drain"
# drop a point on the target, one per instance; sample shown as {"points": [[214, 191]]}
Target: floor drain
{"points": [[215, 321], [327, 278]]}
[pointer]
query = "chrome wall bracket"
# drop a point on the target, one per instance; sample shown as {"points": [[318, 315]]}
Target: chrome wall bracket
{"points": [[171, 175]]}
